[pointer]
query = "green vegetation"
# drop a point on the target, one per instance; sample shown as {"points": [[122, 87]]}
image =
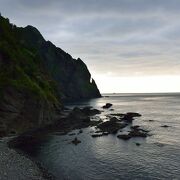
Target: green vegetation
{"points": [[20, 66]]}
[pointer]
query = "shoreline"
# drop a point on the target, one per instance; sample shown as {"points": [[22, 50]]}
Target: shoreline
{"points": [[17, 165], [73, 119]]}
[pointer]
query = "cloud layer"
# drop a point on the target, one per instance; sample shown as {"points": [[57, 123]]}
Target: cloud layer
{"points": [[115, 38]]}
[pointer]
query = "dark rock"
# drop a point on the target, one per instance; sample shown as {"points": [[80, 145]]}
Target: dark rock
{"points": [[151, 120], [129, 117], [90, 112], [117, 114], [25, 142], [111, 126], [72, 134], [80, 131], [34, 86], [77, 115], [138, 133], [138, 144], [135, 132], [3, 133], [13, 132], [95, 123], [97, 135], [86, 120], [76, 141], [107, 106], [100, 134], [66, 109], [21, 111], [135, 127], [114, 120], [165, 126], [124, 136], [159, 144], [133, 114], [86, 109], [83, 114]]}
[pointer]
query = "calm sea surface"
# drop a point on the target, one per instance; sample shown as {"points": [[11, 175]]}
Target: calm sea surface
{"points": [[109, 158]]}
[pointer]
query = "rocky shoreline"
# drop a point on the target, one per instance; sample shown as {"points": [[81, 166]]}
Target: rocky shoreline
{"points": [[78, 118], [18, 166]]}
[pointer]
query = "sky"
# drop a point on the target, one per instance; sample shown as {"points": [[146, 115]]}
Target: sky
{"points": [[128, 45]]}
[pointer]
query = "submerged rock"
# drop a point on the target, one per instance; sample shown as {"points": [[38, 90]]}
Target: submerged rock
{"points": [[136, 131], [107, 106], [111, 126], [90, 112], [138, 144], [76, 141], [129, 117], [80, 131], [83, 114], [124, 136], [77, 115], [165, 126], [72, 134], [151, 120]]}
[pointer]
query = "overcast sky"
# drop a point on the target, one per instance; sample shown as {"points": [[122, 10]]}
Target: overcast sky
{"points": [[121, 41]]}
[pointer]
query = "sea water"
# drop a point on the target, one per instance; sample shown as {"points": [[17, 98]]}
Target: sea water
{"points": [[110, 158]]}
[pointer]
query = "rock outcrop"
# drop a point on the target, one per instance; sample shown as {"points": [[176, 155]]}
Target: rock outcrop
{"points": [[72, 76], [36, 78]]}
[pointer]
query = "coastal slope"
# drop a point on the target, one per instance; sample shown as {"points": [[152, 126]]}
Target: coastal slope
{"points": [[36, 77]]}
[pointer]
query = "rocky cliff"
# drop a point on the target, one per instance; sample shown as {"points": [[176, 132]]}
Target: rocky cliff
{"points": [[35, 78], [72, 76]]}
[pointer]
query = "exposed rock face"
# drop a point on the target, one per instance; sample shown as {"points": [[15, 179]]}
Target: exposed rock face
{"points": [[35, 78], [21, 111], [73, 78]]}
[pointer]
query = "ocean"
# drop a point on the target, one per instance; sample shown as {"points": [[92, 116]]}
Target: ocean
{"points": [[110, 158]]}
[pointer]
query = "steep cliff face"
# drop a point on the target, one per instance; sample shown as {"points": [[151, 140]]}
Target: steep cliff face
{"points": [[35, 78], [21, 111], [72, 76]]}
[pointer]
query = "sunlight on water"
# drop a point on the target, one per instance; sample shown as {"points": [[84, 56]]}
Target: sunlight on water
{"points": [[110, 158]]}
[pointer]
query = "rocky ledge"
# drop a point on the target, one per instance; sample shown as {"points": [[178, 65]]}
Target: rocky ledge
{"points": [[79, 118]]}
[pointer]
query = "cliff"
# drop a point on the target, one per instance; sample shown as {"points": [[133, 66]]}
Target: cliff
{"points": [[36, 77], [72, 76]]}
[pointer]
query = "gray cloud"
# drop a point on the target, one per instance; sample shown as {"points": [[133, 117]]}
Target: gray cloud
{"points": [[126, 37]]}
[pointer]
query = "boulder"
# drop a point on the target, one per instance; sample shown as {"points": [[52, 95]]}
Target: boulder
{"points": [[90, 112], [78, 115], [151, 120], [135, 132], [165, 126], [138, 133], [80, 131], [129, 117], [111, 126], [107, 106], [124, 136], [138, 144], [76, 141]]}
